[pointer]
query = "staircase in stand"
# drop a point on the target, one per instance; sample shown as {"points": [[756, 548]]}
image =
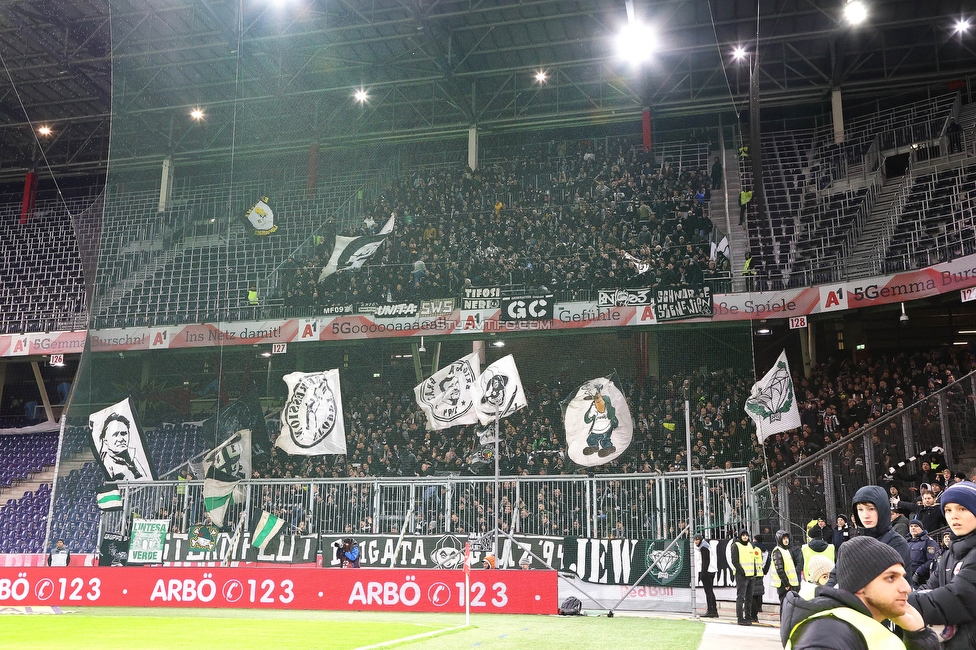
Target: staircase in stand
{"points": [[867, 257]]}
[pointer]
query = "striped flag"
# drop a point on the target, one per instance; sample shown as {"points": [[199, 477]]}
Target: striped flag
{"points": [[266, 529], [108, 497], [220, 491]]}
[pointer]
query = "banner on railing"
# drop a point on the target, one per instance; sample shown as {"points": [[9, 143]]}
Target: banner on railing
{"points": [[624, 561], [399, 590], [287, 549], [446, 551]]}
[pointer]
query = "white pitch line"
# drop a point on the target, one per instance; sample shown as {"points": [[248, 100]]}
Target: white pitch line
{"points": [[415, 637]]}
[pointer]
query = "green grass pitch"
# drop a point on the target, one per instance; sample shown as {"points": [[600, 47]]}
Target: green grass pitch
{"points": [[106, 628]]}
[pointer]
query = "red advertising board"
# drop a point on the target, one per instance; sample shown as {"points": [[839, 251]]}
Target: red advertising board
{"points": [[498, 592]]}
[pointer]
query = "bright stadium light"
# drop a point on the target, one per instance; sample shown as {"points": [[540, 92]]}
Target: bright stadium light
{"points": [[962, 26], [197, 114], [44, 130], [739, 53], [855, 12], [361, 95], [541, 76], [636, 43]]}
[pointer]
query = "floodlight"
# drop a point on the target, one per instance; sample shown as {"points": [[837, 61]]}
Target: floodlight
{"points": [[962, 26], [197, 114], [541, 76], [498, 344], [44, 130], [855, 12], [739, 53], [361, 95], [636, 43]]}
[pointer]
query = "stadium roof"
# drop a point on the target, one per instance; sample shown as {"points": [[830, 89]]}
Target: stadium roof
{"points": [[435, 67]]}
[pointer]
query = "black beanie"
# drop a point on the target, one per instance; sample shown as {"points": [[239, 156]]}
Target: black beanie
{"points": [[862, 559]]}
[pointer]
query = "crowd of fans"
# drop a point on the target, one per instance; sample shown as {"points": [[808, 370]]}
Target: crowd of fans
{"points": [[555, 217]]}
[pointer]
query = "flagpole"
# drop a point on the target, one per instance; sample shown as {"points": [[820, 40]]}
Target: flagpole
{"points": [[495, 513], [691, 495]]}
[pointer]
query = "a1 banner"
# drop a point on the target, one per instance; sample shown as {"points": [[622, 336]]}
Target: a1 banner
{"points": [[377, 590]]}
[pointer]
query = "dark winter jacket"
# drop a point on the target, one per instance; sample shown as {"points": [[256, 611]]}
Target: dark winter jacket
{"points": [[952, 599], [931, 517], [900, 525], [828, 633], [882, 532], [778, 566], [841, 535], [922, 550]]}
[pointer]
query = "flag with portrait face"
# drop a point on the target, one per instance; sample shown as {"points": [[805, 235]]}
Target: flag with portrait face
{"points": [[352, 252], [498, 392], [311, 420], [117, 443], [446, 396]]}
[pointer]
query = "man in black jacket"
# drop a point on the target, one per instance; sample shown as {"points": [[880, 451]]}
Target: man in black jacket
{"points": [[872, 588], [872, 517], [706, 571]]}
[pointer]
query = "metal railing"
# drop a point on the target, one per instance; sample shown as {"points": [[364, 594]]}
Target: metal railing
{"points": [[643, 506]]}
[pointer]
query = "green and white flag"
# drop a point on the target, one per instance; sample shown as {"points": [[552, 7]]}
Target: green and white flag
{"points": [[772, 405], [108, 497], [224, 468], [147, 540], [266, 529]]}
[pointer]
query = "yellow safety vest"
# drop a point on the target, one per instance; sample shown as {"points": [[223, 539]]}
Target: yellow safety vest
{"points": [[876, 635], [750, 559], [788, 565], [252, 297], [808, 554]]}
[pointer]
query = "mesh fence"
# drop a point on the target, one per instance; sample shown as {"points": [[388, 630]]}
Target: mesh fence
{"points": [[902, 450]]}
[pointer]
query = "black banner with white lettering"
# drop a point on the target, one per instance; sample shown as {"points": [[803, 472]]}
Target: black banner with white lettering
{"points": [[623, 561], [676, 303], [624, 297], [527, 308], [198, 546], [446, 551], [481, 298]]}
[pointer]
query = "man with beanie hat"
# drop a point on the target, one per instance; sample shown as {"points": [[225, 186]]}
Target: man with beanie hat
{"points": [[747, 562], [921, 548], [949, 597], [871, 588], [842, 533]]}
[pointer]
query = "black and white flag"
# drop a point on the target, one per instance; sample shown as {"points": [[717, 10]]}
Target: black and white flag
{"points": [[446, 396], [598, 423], [118, 445], [352, 252], [262, 218], [498, 392], [311, 421], [224, 468]]}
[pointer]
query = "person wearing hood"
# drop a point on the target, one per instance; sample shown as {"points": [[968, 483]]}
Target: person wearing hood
{"points": [[872, 518], [949, 596], [815, 546], [842, 533], [784, 576], [922, 550], [747, 562], [872, 588]]}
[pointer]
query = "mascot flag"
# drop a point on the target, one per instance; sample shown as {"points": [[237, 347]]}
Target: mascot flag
{"points": [[311, 421], [262, 218], [224, 468], [446, 396], [352, 252], [118, 445], [498, 392], [599, 427], [772, 405]]}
